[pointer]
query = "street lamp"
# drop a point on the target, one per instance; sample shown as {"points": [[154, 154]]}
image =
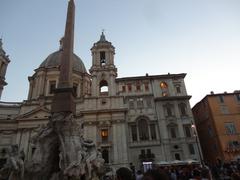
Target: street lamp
{"points": [[197, 142]]}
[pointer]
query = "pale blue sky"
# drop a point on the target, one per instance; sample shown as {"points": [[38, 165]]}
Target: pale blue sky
{"points": [[197, 37]]}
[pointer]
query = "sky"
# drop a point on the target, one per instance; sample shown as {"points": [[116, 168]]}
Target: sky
{"points": [[197, 37]]}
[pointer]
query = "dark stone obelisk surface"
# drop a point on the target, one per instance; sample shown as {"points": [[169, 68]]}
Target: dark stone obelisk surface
{"points": [[64, 97]]}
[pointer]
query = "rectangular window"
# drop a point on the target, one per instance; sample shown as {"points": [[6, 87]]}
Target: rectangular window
{"points": [[146, 87], [134, 132], [230, 128], [210, 131], [178, 89], [140, 103], [123, 88], [129, 87], [75, 87], [149, 102], [187, 129], [138, 87], [104, 135], [102, 55], [182, 108], [149, 153], [191, 148], [131, 104], [52, 86], [224, 109], [221, 99], [153, 132], [238, 97], [173, 132], [169, 111]]}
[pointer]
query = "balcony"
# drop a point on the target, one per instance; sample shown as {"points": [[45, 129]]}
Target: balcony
{"points": [[149, 157], [144, 143]]}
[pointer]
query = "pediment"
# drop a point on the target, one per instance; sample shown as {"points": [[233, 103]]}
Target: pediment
{"points": [[38, 113]]}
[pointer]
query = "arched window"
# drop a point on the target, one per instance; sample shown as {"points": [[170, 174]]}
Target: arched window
{"points": [[105, 155], [75, 88], [102, 58], [103, 88], [143, 129]]}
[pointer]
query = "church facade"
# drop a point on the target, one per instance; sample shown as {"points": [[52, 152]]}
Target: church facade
{"points": [[143, 119]]}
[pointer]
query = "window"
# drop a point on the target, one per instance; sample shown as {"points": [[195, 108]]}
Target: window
{"points": [[237, 97], [182, 109], [178, 89], [177, 156], [149, 102], [103, 88], [210, 131], [102, 58], [123, 88], [221, 99], [131, 104], [104, 135], [75, 87], [146, 87], [105, 156], [143, 129], [187, 129], [138, 87], [153, 132], [169, 111], [149, 153], [52, 86], [129, 87], [191, 149], [139, 103], [134, 132], [230, 128], [224, 109], [173, 132]]}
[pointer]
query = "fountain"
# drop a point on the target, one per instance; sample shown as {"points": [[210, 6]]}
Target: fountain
{"points": [[61, 151]]}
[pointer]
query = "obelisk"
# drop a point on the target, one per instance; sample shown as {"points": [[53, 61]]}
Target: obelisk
{"points": [[63, 100]]}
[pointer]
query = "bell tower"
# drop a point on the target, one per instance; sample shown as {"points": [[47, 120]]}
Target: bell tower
{"points": [[103, 70], [4, 60]]}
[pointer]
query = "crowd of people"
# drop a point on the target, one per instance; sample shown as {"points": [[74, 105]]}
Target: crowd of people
{"points": [[218, 171]]}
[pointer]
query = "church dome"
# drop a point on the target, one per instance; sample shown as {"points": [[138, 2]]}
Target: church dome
{"points": [[54, 60]]}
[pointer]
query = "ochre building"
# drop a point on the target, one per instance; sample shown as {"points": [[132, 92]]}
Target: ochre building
{"points": [[217, 118]]}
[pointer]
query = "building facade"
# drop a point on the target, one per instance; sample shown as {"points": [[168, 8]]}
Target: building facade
{"points": [[132, 119], [217, 120]]}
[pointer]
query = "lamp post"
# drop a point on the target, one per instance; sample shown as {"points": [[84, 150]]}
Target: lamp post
{"points": [[197, 142]]}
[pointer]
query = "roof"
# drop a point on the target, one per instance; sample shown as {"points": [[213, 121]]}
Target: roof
{"points": [[54, 60], [163, 76]]}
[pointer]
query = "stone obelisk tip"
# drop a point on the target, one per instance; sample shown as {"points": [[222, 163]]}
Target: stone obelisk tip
{"points": [[63, 98]]}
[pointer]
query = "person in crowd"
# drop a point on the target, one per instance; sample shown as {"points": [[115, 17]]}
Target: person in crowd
{"points": [[139, 175], [124, 173], [155, 174]]}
